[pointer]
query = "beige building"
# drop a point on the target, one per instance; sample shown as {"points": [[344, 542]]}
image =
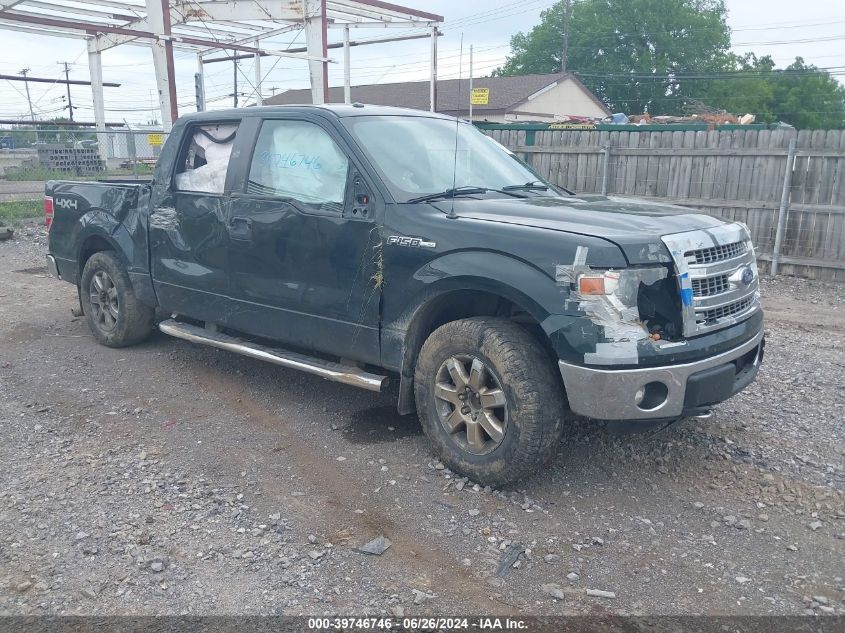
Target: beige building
{"points": [[496, 99]]}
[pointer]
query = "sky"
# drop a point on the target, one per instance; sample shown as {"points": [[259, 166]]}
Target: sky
{"points": [[813, 29]]}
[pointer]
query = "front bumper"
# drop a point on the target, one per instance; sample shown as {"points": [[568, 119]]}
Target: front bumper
{"points": [[671, 391]]}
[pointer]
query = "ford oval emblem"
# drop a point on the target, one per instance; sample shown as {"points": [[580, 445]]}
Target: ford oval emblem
{"points": [[747, 276]]}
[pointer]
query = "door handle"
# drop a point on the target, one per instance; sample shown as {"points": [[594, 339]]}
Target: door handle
{"points": [[240, 228]]}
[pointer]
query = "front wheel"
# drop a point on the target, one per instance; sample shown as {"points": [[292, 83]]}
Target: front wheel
{"points": [[114, 314], [489, 399]]}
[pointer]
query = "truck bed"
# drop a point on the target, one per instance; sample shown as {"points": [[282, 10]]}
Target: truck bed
{"points": [[116, 207]]}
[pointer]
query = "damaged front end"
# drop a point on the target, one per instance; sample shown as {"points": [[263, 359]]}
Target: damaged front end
{"points": [[630, 307], [662, 341]]}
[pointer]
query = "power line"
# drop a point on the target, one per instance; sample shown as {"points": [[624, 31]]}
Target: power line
{"points": [[793, 26], [808, 40], [739, 74], [499, 13], [76, 59]]}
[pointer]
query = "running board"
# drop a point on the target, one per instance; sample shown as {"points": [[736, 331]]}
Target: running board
{"points": [[336, 372]]}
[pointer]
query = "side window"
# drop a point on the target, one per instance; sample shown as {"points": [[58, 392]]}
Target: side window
{"points": [[300, 161], [204, 160]]}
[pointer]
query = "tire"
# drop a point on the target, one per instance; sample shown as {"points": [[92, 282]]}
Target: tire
{"points": [[515, 393], [114, 314]]}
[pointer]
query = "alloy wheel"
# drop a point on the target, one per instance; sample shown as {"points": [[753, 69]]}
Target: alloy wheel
{"points": [[471, 404], [104, 301]]}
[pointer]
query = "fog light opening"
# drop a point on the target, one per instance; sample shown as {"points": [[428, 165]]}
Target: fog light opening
{"points": [[651, 396]]}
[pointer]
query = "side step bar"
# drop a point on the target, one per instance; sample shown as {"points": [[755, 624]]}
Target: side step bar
{"points": [[336, 372]]}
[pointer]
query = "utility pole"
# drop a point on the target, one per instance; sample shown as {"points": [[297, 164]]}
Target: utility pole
{"points": [[470, 83], [259, 99], [67, 83], [347, 71], [433, 82], [567, 14], [235, 91], [23, 72], [199, 84], [273, 91], [199, 92]]}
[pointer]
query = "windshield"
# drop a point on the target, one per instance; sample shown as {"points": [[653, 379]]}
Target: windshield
{"points": [[415, 155]]}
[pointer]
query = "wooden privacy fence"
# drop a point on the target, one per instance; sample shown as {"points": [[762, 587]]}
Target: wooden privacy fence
{"points": [[747, 175]]}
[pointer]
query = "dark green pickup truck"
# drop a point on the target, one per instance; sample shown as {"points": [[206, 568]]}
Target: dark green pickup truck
{"points": [[359, 242]]}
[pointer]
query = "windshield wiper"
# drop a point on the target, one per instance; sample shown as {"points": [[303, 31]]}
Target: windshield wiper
{"points": [[449, 193], [466, 190], [537, 185], [534, 185]]}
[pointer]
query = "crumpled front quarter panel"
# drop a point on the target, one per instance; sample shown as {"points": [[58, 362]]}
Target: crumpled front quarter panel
{"points": [[513, 261]]}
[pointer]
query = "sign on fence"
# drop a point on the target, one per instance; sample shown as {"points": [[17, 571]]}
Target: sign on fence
{"points": [[155, 140], [572, 126]]}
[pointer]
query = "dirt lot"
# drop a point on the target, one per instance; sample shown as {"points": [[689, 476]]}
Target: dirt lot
{"points": [[170, 479]]}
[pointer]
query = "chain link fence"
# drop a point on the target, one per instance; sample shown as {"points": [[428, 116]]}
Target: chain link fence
{"points": [[29, 153]]}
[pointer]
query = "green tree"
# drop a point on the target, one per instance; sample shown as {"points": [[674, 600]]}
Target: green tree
{"points": [[629, 51], [745, 85], [800, 94], [808, 98]]}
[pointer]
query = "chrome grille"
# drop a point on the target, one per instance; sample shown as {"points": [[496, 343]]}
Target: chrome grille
{"points": [[716, 253], [711, 316], [717, 277], [710, 286]]}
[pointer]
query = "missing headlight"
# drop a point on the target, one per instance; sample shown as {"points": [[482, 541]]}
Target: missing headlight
{"points": [[630, 305]]}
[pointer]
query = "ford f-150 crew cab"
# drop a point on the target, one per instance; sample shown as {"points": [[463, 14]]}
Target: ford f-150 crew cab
{"points": [[358, 242]]}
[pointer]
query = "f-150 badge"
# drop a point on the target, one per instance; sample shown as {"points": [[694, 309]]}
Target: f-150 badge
{"points": [[413, 242]]}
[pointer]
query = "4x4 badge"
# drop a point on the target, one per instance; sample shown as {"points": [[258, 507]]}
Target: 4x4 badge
{"points": [[413, 242]]}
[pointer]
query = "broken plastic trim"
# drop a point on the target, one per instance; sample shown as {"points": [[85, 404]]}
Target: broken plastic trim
{"points": [[615, 311]]}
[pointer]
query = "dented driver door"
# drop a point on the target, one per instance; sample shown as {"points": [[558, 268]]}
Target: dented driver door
{"points": [[304, 242]]}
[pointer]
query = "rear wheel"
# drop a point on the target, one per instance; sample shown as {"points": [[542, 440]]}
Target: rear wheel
{"points": [[114, 314], [489, 399]]}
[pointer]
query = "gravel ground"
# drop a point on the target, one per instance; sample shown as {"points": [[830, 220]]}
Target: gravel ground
{"points": [[176, 479]]}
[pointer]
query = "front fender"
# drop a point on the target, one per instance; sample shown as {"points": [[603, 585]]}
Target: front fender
{"points": [[514, 279], [520, 282]]}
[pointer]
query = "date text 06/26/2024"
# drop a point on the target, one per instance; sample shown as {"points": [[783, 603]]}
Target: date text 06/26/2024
{"points": [[418, 623]]}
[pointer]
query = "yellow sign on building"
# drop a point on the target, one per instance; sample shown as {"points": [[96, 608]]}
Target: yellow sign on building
{"points": [[480, 96], [155, 140]]}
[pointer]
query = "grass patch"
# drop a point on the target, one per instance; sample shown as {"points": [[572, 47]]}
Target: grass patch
{"points": [[34, 173], [15, 210]]}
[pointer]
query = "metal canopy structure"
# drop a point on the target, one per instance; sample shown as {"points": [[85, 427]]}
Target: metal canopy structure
{"points": [[211, 26]]}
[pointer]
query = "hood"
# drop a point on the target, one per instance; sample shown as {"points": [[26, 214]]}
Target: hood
{"points": [[636, 226]]}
